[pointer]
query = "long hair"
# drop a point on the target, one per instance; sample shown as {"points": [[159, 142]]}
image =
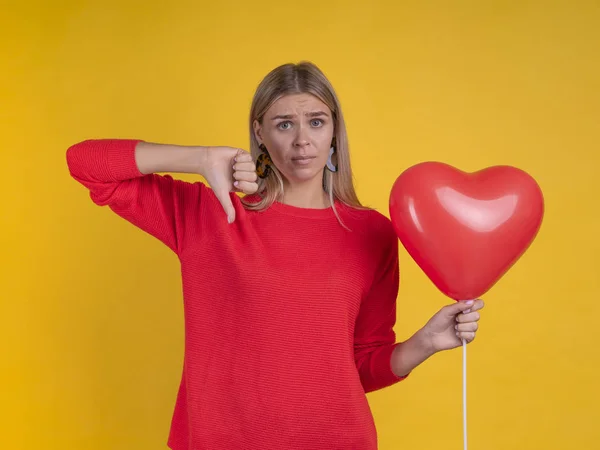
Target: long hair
{"points": [[302, 78]]}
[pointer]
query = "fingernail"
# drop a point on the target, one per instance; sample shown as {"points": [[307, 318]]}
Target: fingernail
{"points": [[469, 302], [467, 311], [236, 183], [229, 220], [456, 327]]}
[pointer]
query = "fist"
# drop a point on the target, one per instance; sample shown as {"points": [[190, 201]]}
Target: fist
{"points": [[453, 323], [228, 169]]}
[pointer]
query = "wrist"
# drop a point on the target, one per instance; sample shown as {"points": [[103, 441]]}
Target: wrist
{"points": [[424, 341], [409, 354], [201, 159]]}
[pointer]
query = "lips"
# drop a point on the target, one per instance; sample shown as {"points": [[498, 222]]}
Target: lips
{"points": [[303, 160]]}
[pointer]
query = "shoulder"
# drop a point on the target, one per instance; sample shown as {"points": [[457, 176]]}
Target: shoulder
{"points": [[375, 231], [377, 238], [371, 222]]}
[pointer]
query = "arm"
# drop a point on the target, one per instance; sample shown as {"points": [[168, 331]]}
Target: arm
{"points": [[409, 354], [381, 361], [120, 173], [374, 337], [154, 158]]}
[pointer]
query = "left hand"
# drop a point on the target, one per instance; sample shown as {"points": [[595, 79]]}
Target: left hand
{"points": [[453, 323]]}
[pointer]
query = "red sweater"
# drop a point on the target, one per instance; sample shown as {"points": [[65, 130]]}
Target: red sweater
{"points": [[288, 316]]}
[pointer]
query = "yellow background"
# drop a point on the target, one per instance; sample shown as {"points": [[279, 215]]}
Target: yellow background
{"points": [[92, 328]]}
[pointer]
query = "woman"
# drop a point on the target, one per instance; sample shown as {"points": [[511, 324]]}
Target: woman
{"points": [[290, 296]]}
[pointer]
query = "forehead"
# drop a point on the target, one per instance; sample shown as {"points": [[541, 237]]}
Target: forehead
{"points": [[297, 104]]}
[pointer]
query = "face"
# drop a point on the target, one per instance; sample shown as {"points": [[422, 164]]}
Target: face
{"points": [[297, 131]]}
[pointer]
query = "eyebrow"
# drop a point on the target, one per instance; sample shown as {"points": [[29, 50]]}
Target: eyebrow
{"points": [[310, 114]]}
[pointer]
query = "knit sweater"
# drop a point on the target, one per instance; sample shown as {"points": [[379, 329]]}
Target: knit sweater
{"points": [[288, 315]]}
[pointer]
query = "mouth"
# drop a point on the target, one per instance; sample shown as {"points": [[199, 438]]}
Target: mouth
{"points": [[302, 160]]}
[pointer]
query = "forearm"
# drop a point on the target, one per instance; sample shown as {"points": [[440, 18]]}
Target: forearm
{"points": [[153, 158], [409, 354], [96, 161]]}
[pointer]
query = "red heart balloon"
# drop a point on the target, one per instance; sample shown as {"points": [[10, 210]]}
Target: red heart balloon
{"points": [[465, 230]]}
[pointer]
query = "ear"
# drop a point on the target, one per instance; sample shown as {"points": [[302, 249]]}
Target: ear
{"points": [[257, 131]]}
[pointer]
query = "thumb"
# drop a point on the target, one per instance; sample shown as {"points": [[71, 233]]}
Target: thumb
{"points": [[459, 306], [225, 200]]}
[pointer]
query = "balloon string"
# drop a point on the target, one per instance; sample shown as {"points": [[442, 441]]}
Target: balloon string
{"points": [[464, 342]]}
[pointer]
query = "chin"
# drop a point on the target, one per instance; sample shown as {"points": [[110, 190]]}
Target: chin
{"points": [[303, 175]]}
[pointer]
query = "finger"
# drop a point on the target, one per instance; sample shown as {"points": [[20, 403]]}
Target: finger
{"points": [[226, 203], [246, 187], [244, 166], [245, 176], [479, 304], [242, 156], [471, 326], [475, 305], [470, 317], [458, 307], [468, 336]]}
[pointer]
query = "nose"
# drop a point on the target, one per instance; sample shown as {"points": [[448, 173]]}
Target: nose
{"points": [[301, 138]]}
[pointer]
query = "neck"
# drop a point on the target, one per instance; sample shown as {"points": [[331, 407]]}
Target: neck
{"points": [[306, 195]]}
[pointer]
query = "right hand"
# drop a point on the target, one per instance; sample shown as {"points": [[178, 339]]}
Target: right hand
{"points": [[221, 167]]}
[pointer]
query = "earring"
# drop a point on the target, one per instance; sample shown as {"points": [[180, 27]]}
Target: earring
{"points": [[263, 162], [332, 167]]}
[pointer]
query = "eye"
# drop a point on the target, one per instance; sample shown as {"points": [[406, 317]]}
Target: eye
{"points": [[316, 122], [282, 127]]}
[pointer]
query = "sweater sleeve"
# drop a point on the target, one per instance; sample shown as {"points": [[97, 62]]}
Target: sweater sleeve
{"points": [[154, 203], [374, 336]]}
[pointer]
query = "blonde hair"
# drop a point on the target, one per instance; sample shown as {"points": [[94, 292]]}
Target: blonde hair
{"points": [[302, 78]]}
